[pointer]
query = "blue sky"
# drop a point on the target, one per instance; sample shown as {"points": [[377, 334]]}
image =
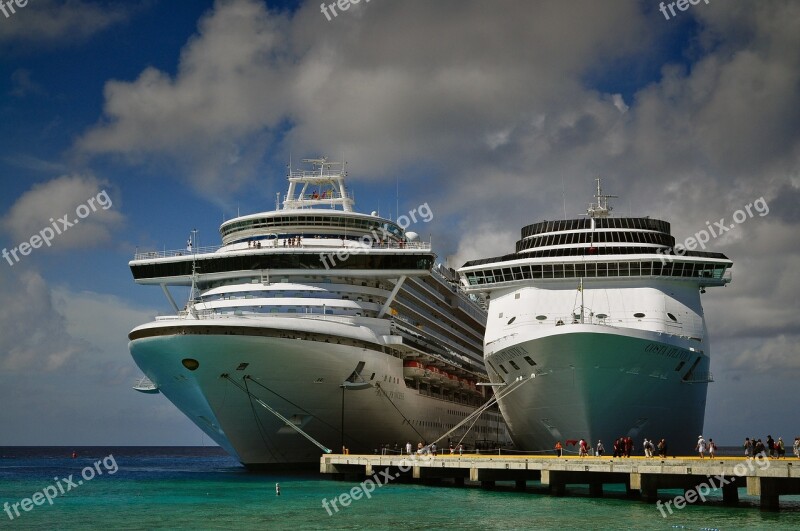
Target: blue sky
{"points": [[497, 114]]}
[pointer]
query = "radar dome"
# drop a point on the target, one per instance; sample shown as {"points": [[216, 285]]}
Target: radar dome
{"points": [[412, 236]]}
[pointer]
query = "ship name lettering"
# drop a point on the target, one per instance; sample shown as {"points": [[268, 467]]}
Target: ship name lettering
{"points": [[668, 352]]}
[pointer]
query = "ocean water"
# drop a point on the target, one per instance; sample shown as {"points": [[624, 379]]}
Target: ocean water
{"points": [[203, 488]]}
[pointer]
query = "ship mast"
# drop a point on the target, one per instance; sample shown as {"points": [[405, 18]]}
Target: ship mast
{"points": [[321, 186], [600, 209]]}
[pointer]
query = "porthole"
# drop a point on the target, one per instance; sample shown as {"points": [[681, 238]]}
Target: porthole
{"points": [[638, 315], [601, 316], [672, 317], [190, 363], [512, 319], [541, 317]]}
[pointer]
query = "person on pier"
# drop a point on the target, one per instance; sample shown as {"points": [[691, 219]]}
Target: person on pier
{"points": [[701, 446]]}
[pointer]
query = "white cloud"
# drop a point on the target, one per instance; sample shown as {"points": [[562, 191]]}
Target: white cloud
{"points": [[484, 241], [34, 333], [52, 200], [780, 353], [64, 356], [619, 102], [392, 82], [46, 22], [24, 84]]}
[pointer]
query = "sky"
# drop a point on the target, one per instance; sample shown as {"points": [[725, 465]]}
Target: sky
{"points": [[149, 119]]}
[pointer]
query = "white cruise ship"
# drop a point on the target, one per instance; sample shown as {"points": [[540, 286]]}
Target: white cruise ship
{"points": [[605, 317], [314, 327]]}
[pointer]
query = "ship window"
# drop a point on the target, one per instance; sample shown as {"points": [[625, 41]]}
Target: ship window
{"points": [[501, 315], [672, 317], [516, 367], [516, 295], [541, 317], [504, 369], [680, 366], [191, 364], [530, 361], [242, 366], [638, 315], [512, 319]]}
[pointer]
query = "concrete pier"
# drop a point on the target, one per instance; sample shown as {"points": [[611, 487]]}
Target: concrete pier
{"points": [[642, 477]]}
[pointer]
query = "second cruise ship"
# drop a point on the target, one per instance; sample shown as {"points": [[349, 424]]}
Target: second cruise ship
{"points": [[603, 317]]}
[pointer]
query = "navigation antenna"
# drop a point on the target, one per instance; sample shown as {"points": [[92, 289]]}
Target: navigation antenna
{"points": [[600, 209], [193, 290]]}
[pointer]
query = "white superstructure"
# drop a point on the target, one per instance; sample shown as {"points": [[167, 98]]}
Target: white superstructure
{"points": [[315, 315], [607, 315]]}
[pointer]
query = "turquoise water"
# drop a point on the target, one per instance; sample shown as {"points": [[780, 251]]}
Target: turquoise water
{"points": [[158, 488]]}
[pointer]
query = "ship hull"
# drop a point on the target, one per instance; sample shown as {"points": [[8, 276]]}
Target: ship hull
{"points": [[600, 383], [302, 380]]}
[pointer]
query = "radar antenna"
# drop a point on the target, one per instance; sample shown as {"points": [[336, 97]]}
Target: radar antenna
{"points": [[600, 209]]}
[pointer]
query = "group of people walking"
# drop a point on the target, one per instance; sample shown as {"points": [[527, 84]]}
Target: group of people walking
{"points": [[773, 448], [623, 447], [704, 446]]}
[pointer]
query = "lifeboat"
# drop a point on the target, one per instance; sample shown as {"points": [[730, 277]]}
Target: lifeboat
{"points": [[451, 381], [413, 369], [435, 374]]}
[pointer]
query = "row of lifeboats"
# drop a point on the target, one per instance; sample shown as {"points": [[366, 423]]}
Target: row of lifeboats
{"points": [[436, 376]]}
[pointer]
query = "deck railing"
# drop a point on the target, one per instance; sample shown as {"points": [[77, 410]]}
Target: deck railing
{"points": [[352, 247]]}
